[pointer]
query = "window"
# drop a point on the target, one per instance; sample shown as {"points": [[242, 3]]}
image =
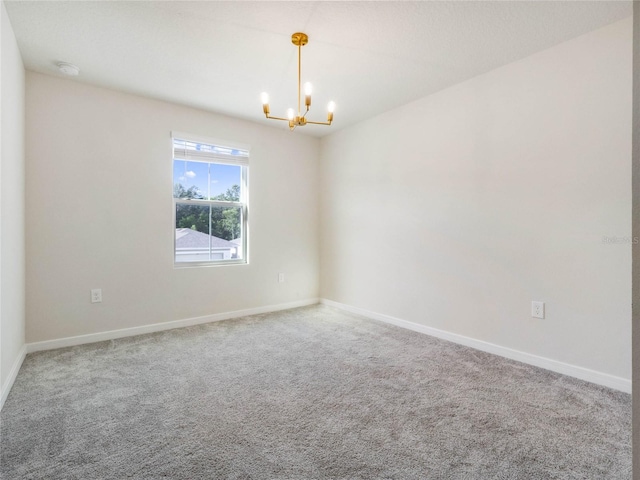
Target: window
{"points": [[209, 202]]}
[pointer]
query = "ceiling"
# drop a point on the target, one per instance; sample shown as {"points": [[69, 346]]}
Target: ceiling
{"points": [[368, 57]]}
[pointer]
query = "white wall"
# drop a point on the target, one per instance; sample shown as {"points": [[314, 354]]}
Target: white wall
{"points": [[12, 250], [459, 209], [99, 213]]}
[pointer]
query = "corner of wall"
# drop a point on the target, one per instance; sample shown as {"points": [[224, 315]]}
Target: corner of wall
{"points": [[635, 281], [12, 203]]}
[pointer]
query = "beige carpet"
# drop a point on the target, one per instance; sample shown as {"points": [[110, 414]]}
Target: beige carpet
{"points": [[302, 394]]}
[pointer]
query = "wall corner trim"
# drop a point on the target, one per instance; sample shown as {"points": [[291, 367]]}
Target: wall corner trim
{"points": [[159, 327], [6, 388], [599, 378]]}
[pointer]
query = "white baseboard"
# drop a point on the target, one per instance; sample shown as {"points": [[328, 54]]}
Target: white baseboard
{"points": [[159, 327], [611, 381], [6, 388]]}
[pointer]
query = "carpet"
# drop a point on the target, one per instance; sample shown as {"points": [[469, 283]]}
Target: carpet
{"points": [[308, 393]]}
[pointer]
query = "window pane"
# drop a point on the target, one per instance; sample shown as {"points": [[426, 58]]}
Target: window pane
{"points": [[224, 182], [192, 233], [226, 227], [214, 181], [208, 233], [190, 179]]}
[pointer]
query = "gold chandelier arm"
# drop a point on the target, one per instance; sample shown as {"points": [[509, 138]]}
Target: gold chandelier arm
{"points": [[319, 123], [276, 118]]}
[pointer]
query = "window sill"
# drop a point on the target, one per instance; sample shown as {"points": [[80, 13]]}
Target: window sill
{"points": [[209, 264]]}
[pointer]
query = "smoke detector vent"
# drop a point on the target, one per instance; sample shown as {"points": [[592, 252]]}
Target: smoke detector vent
{"points": [[68, 69]]}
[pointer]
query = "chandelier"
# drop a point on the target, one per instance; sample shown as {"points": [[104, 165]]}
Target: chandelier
{"points": [[299, 119]]}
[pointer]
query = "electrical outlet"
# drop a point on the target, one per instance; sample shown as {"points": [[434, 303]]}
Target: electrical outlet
{"points": [[281, 278], [537, 309], [96, 295]]}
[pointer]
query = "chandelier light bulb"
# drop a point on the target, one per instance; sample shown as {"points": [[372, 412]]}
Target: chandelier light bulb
{"points": [[290, 114], [264, 96], [308, 88], [331, 107]]}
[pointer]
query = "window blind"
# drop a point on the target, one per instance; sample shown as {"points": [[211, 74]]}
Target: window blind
{"points": [[194, 150]]}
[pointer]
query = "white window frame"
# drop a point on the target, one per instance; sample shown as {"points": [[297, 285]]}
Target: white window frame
{"points": [[243, 204]]}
